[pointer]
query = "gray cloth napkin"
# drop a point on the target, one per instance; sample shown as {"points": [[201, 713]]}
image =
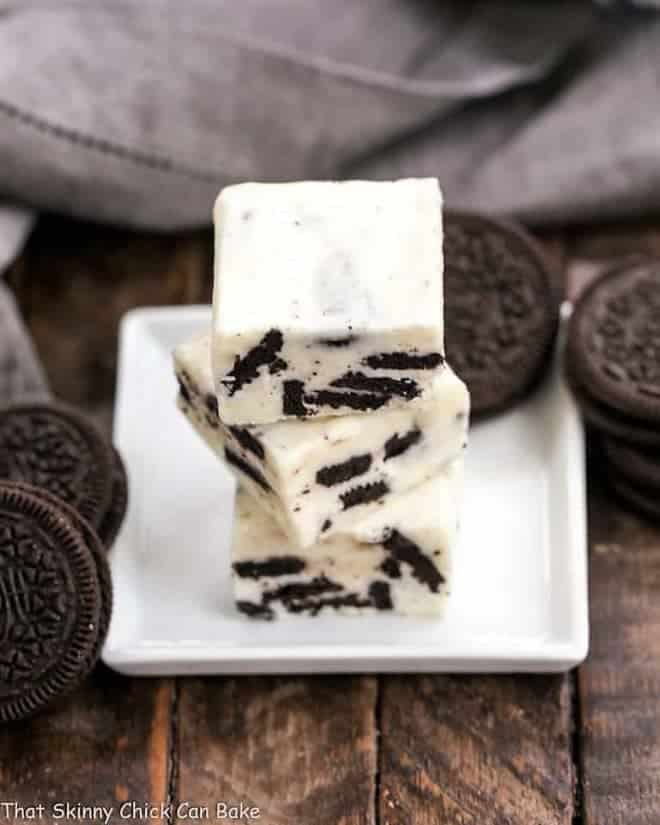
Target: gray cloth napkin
{"points": [[21, 376], [137, 111]]}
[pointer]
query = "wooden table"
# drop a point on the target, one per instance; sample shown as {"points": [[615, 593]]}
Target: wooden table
{"points": [[394, 750]]}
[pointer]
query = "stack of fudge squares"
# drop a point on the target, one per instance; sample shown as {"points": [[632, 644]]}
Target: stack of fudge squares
{"points": [[322, 384]]}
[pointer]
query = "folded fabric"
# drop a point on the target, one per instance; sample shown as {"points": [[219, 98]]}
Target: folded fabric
{"points": [[20, 373], [21, 376], [137, 112]]}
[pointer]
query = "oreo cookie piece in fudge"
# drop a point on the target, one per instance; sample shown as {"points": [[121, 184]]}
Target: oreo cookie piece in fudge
{"points": [[328, 297], [396, 560], [317, 476]]}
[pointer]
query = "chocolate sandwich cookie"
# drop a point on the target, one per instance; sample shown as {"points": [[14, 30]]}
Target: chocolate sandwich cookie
{"points": [[98, 551], [56, 448], [49, 592], [639, 467], [501, 311], [114, 516], [606, 419], [614, 341], [643, 500]]}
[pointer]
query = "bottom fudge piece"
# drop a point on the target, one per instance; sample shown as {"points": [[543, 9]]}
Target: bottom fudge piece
{"points": [[317, 477], [397, 559]]}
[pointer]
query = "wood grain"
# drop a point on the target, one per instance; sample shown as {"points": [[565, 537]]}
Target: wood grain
{"points": [[476, 751], [592, 251], [105, 744], [303, 750], [554, 247], [616, 240], [620, 683]]}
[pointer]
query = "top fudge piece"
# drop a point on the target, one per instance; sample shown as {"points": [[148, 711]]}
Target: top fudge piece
{"points": [[328, 297]]}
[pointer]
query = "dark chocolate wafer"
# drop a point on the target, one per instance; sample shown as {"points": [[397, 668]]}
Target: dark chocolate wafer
{"points": [[50, 598], [99, 554], [608, 420], [501, 313], [54, 447], [643, 500], [614, 341], [114, 516], [640, 467]]}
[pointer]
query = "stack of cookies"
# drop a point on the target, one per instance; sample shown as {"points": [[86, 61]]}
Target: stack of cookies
{"points": [[323, 386], [63, 495], [613, 366]]}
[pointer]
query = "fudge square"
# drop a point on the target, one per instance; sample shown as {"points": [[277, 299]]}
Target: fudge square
{"points": [[319, 475], [397, 559], [328, 297]]}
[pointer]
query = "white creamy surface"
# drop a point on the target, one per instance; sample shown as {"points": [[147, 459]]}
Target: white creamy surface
{"points": [[315, 258], [312, 262], [295, 451], [427, 516]]}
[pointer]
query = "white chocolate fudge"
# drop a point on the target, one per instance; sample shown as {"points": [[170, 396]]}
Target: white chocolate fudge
{"points": [[396, 559], [317, 476], [328, 297]]}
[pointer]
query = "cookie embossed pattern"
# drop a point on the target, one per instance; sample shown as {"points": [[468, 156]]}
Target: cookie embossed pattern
{"points": [[613, 365], [50, 604], [615, 341], [60, 482], [501, 312], [55, 447]]}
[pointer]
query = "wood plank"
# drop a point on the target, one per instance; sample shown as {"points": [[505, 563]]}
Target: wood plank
{"points": [[476, 750], [620, 683], [592, 251], [554, 246], [110, 741], [602, 242], [619, 686], [104, 745], [302, 750]]}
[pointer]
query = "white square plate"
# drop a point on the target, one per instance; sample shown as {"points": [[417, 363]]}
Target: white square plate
{"points": [[519, 600]]}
